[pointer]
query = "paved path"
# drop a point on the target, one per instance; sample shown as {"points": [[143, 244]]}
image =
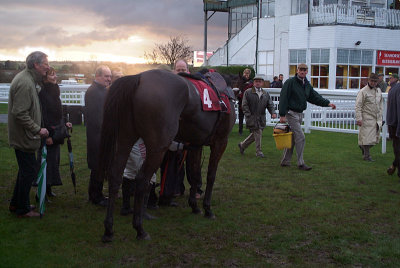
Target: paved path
{"points": [[3, 118]]}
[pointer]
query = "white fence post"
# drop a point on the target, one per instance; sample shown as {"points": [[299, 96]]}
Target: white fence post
{"points": [[307, 119]]}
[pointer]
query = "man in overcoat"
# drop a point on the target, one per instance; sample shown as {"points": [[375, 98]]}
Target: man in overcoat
{"points": [[24, 128], [94, 102], [369, 109], [393, 121], [255, 101]]}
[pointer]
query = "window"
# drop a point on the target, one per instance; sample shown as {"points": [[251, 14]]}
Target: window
{"points": [[320, 68], [299, 6], [267, 8], [353, 68], [296, 56], [240, 16], [386, 71]]}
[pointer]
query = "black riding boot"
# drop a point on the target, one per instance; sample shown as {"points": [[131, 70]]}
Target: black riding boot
{"points": [[49, 192], [153, 199], [128, 188]]}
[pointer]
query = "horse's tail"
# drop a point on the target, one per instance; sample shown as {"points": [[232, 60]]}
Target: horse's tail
{"points": [[118, 104]]}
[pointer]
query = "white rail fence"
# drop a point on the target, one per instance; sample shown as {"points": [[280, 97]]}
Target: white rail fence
{"points": [[315, 117]]}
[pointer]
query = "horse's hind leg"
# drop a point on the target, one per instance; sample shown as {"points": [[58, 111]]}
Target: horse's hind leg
{"points": [[114, 182], [193, 174], [217, 150], [149, 167]]}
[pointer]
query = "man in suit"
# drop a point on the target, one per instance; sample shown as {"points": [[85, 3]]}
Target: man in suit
{"points": [[94, 102]]}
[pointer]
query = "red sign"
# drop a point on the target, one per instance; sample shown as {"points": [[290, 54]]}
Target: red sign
{"points": [[388, 58]]}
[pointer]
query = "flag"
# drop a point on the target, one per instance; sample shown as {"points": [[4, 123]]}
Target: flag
{"points": [[41, 181]]}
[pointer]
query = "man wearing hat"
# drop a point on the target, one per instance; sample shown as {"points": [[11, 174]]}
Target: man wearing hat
{"points": [[255, 101], [381, 83], [369, 109], [393, 121], [295, 94]]}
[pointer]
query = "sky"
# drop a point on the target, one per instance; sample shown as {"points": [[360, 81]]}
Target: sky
{"points": [[103, 30]]}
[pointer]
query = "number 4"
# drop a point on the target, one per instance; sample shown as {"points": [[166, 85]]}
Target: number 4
{"points": [[206, 98]]}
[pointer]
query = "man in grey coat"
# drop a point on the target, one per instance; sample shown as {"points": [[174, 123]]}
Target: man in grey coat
{"points": [[255, 101], [94, 102], [24, 128]]}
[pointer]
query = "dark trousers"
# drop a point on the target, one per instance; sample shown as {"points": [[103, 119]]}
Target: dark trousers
{"points": [[95, 187], [172, 175], [241, 116], [396, 147], [27, 172]]}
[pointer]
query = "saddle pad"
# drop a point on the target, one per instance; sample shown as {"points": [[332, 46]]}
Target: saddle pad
{"points": [[208, 97]]}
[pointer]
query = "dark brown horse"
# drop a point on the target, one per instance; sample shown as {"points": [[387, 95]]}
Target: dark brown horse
{"points": [[159, 107]]}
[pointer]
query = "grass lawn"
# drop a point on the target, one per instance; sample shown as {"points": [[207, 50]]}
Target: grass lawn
{"points": [[3, 108], [344, 212]]}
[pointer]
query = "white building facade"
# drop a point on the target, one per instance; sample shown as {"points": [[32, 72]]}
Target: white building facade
{"points": [[342, 41]]}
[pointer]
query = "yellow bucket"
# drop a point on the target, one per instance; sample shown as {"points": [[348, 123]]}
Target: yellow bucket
{"points": [[283, 140]]}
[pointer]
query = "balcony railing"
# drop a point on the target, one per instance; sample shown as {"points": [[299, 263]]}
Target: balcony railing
{"points": [[354, 15]]}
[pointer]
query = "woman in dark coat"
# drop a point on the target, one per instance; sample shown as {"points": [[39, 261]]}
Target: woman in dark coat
{"points": [[52, 116]]}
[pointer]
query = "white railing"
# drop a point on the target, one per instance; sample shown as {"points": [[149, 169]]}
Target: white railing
{"points": [[72, 95], [343, 14], [315, 117], [342, 119]]}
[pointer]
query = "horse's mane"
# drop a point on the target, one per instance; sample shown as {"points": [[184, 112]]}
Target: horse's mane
{"points": [[117, 104]]}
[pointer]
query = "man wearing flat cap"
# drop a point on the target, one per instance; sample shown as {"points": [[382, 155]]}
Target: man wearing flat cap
{"points": [[369, 109], [295, 94], [255, 101]]}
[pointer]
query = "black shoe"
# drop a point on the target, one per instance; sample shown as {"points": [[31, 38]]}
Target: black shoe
{"points": [[14, 208], [102, 203], [147, 216], [167, 203], [391, 170], [50, 194], [369, 159], [305, 167], [261, 155], [126, 211], [152, 206], [285, 165]]}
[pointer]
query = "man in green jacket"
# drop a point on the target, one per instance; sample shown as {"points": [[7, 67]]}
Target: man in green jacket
{"points": [[24, 128], [293, 101]]}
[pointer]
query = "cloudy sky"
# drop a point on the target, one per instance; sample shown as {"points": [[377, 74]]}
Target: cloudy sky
{"points": [[109, 30]]}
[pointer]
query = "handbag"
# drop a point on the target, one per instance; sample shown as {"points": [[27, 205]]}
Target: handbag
{"points": [[60, 133]]}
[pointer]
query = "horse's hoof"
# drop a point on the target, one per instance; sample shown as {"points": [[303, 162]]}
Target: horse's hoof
{"points": [[209, 215], [107, 238], [196, 210], [143, 236]]}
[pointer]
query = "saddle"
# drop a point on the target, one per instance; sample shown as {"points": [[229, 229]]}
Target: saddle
{"points": [[217, 84]]}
